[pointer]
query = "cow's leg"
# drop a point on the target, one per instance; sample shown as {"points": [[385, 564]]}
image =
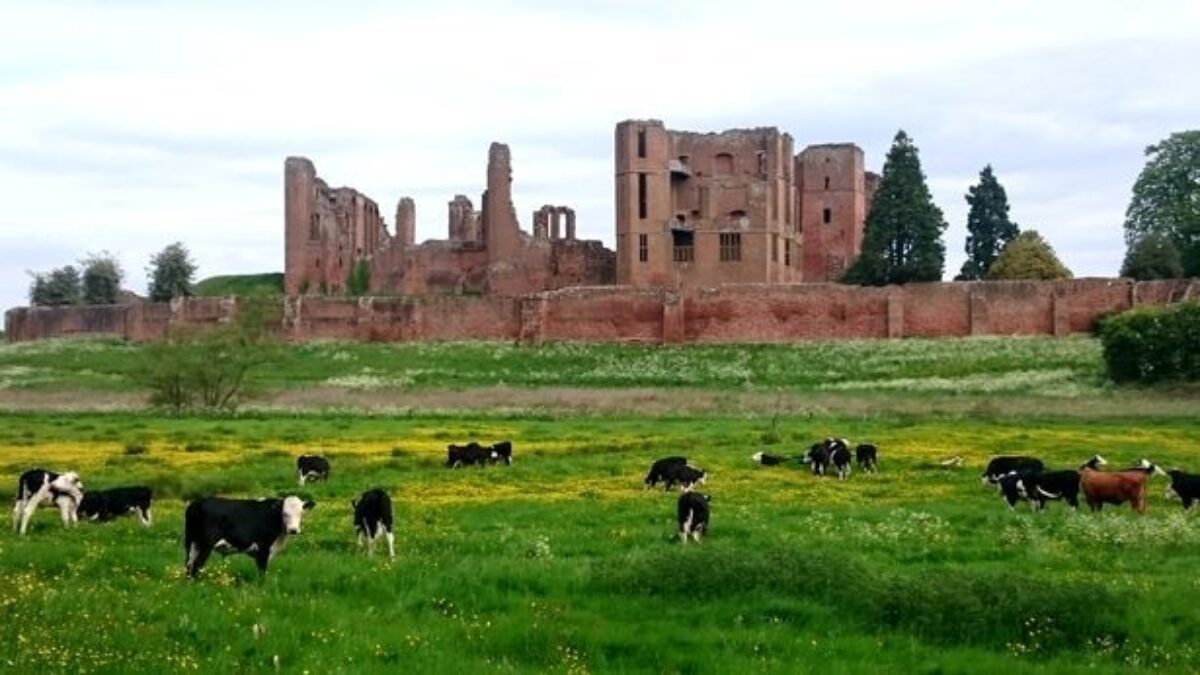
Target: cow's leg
{"points": [[31, 505], [143, 516], [300, 477], [696, 534], [18, 508], [371, 540], [197, 555], [361, 541], [391, 541], [262, 556]]}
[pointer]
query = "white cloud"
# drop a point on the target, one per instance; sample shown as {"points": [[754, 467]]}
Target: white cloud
{"points": [[130, 125]]}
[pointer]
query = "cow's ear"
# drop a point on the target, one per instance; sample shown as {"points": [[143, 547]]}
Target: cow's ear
{"points": [[309, 504]]}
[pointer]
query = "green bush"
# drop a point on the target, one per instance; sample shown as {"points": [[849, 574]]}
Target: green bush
{"points": [[1153, 344]]}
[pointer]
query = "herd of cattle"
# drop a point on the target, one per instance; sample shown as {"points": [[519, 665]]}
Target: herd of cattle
{"points": [[259, 527], [1025, 478]]}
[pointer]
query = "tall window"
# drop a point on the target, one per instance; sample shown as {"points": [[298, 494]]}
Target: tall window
{"points": [[787, 252], [826, 182], [731, 246], [827, 216], [774, 248], [314, 227], [643, 247], [641, 142], [684, 245], [642, 203]]}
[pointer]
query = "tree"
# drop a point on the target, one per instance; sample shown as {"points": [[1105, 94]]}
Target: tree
{"points": [[903, 239], [1028, 257], [1152, 256], [358, 282], [210, 368], [989, 229], [171, 271], [1166, 198], [102, 276], [55, 288]]}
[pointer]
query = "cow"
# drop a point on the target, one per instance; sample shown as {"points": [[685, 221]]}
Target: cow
{"points": [[471, 453], [502, 451], [1117, 487], [35, 486], [867, 456], [312, 467], [1038, 487], [688, 477], [839, 455], [692, 513], [372, 518], [768, 460], [658, 470], [257, 527], [817, 458], [1012, 488], [1001, 466], [1184, 486], [105, 505]]}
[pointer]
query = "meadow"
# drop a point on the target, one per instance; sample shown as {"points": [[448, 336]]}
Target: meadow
{"points": [[563, 563]]}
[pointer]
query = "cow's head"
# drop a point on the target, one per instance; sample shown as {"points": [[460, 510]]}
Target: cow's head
{"points": [[293, 513], [756, 458], [1094, 463], [70, 483], [1151, 467]]}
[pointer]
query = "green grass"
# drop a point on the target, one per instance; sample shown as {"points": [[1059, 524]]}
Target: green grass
{"points": [[270, 283], [1052, 367], [562, 563]]}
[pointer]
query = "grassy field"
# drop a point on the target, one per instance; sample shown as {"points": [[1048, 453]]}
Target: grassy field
{"points": [[562, 563], [991, 366], [270, 283]]}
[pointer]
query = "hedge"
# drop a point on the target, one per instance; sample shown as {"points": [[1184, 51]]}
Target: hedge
{"points": [[1153, 344]]}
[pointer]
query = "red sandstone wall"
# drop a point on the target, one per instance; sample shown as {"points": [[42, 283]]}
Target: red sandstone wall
{"points": [[733, 313]]}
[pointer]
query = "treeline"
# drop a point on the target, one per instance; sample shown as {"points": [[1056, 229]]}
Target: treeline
{"points": [[902, 241], [97, 280]]}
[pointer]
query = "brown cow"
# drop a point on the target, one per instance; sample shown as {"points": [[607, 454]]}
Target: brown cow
{"points": [[1117, 487]]}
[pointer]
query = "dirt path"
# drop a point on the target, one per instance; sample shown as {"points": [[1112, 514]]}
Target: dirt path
{"points": [[649, 402]]}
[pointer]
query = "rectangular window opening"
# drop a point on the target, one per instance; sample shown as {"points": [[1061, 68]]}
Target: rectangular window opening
{"points": [[731, 246], [684, 243], [774, 248], [642, 201], [787, 253], [641, 142], [643, 247], [827, 216]]}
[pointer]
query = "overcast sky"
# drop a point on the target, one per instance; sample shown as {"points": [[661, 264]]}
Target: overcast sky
{"points": [[129, 125]]}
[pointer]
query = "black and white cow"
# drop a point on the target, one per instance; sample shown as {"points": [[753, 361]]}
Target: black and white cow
{"points": [[1011, 487], [686, 476], [471, 453], [257, 527], [1002, 466], [839, 456], [502, 451], [312, 467], [36, 486], [104, 505], [768, 460], [692, 513], [817, 458], [1184, 486], [867, 456], [372, 518], [658, 470], [1040, 487]]}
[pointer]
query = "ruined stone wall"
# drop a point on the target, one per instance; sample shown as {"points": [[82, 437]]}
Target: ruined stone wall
{"points": [[832, 204], [735, 313]]}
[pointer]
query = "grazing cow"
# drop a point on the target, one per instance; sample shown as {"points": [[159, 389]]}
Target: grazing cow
{"points": [[692, 513], [502, 451], [817, 457], [1117, 487], [1012, 488], [257, 527], [1040, 487], [471, 453], [38, 485], [1184, 486], [867, 456], [839, 455], [768, 460], [658, 470], [312, 467], [1004, 465], [688, 477], [373, 517], [104, 505]]}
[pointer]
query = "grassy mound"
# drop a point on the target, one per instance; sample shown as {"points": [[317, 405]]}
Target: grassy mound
{"points": [[270, 283]]}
